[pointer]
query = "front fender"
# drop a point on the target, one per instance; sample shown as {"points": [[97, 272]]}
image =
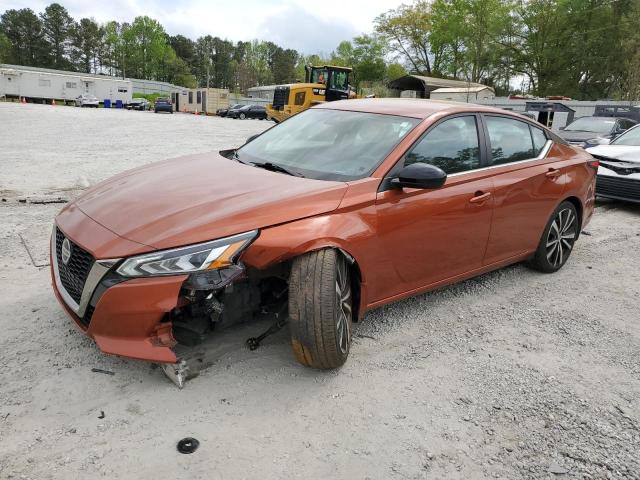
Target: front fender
{"points": [[351, 232]]}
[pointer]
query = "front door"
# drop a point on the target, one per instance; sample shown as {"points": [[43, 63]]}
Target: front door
{"points": [[528, 181], [430, 236], [337, 85]]}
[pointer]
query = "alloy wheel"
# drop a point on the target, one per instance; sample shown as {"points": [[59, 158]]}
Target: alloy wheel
{"points": [[561, 237], [343, 298]]}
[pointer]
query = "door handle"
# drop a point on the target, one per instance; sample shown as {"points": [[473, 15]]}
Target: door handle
{"points": [[480, 197], [553, 173]]}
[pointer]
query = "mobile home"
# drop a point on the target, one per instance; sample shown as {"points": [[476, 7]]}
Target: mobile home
{"points": [[42, 84]]}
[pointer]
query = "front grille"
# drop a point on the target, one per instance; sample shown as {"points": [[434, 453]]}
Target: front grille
{"points": [[280, 98], [74, 274], [625, 188]]}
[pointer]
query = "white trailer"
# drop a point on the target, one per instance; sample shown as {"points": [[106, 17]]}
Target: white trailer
{"points": [[41, 84]]}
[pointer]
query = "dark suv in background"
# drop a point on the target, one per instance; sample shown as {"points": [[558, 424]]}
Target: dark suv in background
{"points": [[248, 111], [163, 104]]}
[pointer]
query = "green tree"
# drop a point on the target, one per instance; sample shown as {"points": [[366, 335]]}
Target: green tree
{"points": [[57, 27], [5, 48], [86, 40], [394, 71], [368, 58], [23, 29], [143, 44], [407, 31], [284, 65]]}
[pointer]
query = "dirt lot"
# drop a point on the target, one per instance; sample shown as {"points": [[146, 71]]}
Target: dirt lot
{"points": [[514, 374]]}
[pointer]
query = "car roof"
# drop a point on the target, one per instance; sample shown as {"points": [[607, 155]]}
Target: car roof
{"points": [[409, 107]]}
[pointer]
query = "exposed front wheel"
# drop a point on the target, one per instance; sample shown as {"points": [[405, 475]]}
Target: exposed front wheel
{"points": [[320, 309], [557, 239], [242, 116]]}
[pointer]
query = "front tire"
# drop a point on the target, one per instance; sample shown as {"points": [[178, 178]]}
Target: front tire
{"points": [[557, 240], [320, 309], [242, 116]]}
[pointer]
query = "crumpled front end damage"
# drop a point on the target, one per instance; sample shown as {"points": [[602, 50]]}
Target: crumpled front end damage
{"points": [[147, 318]]}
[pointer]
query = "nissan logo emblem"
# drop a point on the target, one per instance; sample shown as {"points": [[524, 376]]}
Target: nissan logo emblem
{"points": [[65, 252]]}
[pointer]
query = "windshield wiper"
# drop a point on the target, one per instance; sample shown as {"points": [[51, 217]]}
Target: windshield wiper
{"points": [[274, 167]]}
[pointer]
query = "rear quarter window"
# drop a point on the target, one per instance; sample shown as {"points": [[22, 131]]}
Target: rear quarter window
{"points": [[539, 140]]}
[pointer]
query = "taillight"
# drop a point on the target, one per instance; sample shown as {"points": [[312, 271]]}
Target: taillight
{"points": [[594, 164]]}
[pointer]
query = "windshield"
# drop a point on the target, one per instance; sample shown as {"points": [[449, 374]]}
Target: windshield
{"points": [[630, 137], [329, 144], [592, 124]]}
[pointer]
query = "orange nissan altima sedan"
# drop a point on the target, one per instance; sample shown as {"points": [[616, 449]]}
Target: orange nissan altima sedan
{"points": [[340, 209]]}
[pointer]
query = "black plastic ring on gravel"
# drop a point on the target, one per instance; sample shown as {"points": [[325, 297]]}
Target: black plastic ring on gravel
{"points": [[188, 445]]}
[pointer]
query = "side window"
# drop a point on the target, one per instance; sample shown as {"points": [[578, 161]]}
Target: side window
{"points": [[539, 140], [452, 145], [510, 140], [190, 97], [299, 98], [198, 96]]}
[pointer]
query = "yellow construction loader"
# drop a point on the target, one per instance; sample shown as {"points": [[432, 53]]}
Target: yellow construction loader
{"points": [[322, 84]]}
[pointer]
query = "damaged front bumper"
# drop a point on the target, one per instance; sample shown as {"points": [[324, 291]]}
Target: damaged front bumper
{"points": [[140, 318]]}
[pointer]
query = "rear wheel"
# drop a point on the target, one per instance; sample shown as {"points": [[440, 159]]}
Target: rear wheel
{"points": [[557, 239], [320, 309], [242, 116]]}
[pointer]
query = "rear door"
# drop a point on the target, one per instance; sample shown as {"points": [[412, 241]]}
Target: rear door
{"points": [[434, 235], [528, 178]]}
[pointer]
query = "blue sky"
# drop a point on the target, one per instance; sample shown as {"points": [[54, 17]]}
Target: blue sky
{"points": [[307, 26]]}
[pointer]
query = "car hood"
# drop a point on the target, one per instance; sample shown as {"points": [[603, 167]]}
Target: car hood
{"points": [[618, 160], [629, 153], [203, 197], [579, 136]]}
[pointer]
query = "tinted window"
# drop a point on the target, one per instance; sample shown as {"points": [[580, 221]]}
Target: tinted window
{"points": [[452, 145], [626, 124], [539, 140], [510, 140], [632, 137], [592, 124]]}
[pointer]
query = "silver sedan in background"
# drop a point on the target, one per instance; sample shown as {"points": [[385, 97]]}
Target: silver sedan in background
{"points": [[87, 100]]}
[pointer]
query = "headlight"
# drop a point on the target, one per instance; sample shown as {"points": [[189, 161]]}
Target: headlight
{"points": [[204, 256]]}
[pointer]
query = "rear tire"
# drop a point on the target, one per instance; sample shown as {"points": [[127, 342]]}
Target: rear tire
{"points": [[557, 240], [320, 309], [242, 116]]}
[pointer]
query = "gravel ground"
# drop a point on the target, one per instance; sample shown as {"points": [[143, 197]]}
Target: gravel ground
{"points": [[514, 374]]}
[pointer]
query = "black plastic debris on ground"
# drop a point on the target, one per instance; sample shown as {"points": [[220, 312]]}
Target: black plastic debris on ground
{"points": [[99, 370], [188, 445], [101, 416]]}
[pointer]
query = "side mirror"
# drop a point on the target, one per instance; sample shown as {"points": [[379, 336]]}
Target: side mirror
{"points": [[252, 137], [420, 175]]}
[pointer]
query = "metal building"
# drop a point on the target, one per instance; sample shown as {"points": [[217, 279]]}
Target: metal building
{"points": [[463, 94], [419, 86]]}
